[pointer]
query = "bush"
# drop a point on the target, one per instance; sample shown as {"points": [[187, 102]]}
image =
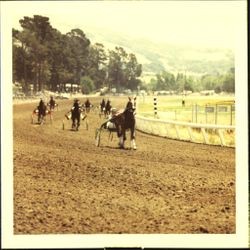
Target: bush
{"points": [[87, 85]]}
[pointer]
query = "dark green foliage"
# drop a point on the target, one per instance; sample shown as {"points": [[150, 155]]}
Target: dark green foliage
{"points": [[45, 58], [123, 70]]}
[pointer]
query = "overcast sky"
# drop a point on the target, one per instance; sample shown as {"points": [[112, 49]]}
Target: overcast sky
{"points": [[204, 23]]}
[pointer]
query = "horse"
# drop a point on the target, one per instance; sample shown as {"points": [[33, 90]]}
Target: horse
{"points": [[87, 106], [76, 117], [107, 109], [101, 111], [52, 107], [120, 121], [41, 112], [102, 108]]}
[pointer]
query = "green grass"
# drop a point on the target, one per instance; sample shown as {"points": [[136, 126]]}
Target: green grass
{"points": [[170, 107]]}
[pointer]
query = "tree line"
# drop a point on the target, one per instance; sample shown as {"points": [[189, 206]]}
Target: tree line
{"points": [[44, 58], [181, 82]]}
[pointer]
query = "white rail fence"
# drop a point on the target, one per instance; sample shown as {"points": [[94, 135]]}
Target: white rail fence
{"points": [[194, 132]]}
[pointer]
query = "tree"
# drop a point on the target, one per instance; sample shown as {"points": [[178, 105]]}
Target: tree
{"points": [[153, 84], [45, 58], [56, 55], [87, 85], [116, 67], [35, 36], [229, 81], [188, 86], [78, 45], [22, 71], [165, 81], [123, 70], [219, 82], [208, 82], [180, 82], [97, 65], [132, 72]]}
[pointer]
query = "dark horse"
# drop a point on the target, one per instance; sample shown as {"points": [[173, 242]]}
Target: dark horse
{"points": [[107, 109], [122, 121], [41, 111], [76, 115]]}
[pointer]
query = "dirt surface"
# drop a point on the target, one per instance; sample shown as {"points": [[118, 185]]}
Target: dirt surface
{"points": [[63, 183]]}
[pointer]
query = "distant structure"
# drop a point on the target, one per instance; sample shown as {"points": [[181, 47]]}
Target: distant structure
{"points": [[207, 92]]}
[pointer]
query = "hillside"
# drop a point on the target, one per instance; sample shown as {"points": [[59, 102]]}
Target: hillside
{"points": [[156, 57]]}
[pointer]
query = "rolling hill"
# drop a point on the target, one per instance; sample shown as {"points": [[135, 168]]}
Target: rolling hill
{"points": [[156, 57]]}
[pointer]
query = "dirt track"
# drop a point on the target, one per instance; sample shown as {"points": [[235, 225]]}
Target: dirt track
{"points": [[63, 183]]}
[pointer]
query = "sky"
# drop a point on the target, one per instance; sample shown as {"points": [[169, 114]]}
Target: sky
{"points": [[198, 23]]}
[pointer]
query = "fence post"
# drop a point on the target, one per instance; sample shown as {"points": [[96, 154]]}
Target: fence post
{"points": [[204, 135], [155, 107], [221, 137]]}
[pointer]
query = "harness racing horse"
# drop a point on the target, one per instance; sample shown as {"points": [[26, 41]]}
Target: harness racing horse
{"points": [[76, 117], [41, 112], [52, 107], [102, 108], [122, 122], [107, 109]]}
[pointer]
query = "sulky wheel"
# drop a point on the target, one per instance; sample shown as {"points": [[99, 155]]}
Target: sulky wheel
{"points": [[62, 124], [87, 125], [97, 137]]}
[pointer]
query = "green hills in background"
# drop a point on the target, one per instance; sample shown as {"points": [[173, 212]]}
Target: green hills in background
{"points": [[156, 57]]}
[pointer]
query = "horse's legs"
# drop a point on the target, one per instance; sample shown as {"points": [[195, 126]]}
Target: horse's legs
{"points": [[73, 123], [121, 142], [120, 134], [78, 122], [132, 138], [106, 113], [39, 118]]}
